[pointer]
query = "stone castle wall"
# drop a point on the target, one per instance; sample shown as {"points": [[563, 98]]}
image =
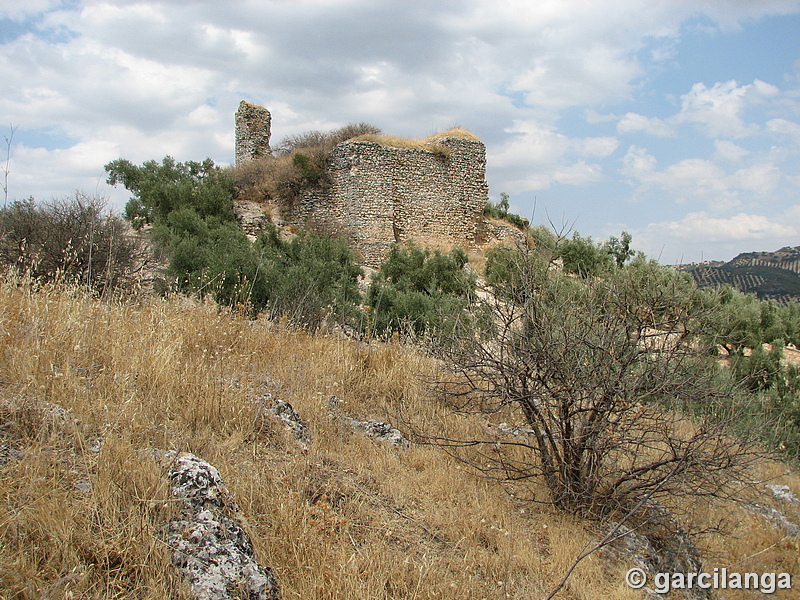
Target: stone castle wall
{"points": [[379, 195]]}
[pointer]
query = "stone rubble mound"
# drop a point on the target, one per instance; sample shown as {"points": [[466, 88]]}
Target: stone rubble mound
{"points": [[513, 430], [379, 430], [783, 492], [777, 518]]}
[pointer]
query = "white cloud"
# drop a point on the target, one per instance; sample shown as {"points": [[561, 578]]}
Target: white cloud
{"points": [[730, 14], [633, 123], [593, 117], [595, 146], [588, 76], [689, 180], [700, 235], [530, 144], [19, 9], [739, 227], [728, 151], [718, 110], [537, 156], [701, 180], [761, 179], [793, 214], [638, 164], [696, 179], [785, 127], [145, 78], [579, 173], [77, 167]]}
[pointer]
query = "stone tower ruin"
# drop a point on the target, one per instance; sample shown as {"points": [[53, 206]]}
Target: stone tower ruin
{"points": [[381, 195], [378, 195], [252, 132]]}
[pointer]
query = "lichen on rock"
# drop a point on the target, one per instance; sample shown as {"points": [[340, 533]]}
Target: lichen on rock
{"points": [[209, 544]]}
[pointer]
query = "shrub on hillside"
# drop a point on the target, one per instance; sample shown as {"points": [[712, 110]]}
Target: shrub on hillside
{"points": [[324, 141], [207, 256], [159, 189], [418, 291], [500, 211], [600, 375], [310, 279], [743, 321], [583, 256], [69, 239], [190, 206], [299, 164], [773, 407]]}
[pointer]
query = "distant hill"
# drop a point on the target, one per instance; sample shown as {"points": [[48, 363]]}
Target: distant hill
{"points": [[768, 275]]}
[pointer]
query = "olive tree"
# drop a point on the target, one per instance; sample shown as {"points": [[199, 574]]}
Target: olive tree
{"points": [[615, 406]]}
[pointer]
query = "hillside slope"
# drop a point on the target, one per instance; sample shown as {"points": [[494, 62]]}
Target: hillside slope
{"points": [[768, 275], [90, 389]]}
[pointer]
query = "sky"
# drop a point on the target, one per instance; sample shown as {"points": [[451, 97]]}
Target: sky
{"points": [[675, 120]]}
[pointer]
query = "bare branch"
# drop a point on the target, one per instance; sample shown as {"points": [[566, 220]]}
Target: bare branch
{"points": [[6, 169]]}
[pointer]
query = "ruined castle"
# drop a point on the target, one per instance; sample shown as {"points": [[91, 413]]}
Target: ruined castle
{"points": [[380, 195]]}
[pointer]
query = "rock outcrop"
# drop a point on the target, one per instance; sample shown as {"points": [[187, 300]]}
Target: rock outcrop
{"points": [[209, 544]]}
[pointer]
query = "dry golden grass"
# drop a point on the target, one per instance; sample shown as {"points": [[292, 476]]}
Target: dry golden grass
{"points": [[427, 143], [349, 518], [454, 132]]}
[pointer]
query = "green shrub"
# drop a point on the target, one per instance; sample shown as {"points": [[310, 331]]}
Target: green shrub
{"points": [[311, 168], [420, 292], [509, 271], [583, 257], [207, 256], [761, 370], [309, 279], [299, 164], [159, 189], [775, 388], [743, 321], [781, 407], [70, 239], [190, 205], [600, 369], [764, 399], [500, 211]]}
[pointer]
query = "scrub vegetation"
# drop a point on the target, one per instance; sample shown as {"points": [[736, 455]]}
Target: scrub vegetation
{"points": [[568, 388]]}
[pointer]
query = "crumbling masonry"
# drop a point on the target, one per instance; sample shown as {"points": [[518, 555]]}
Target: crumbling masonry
{"points": [[252, 132], [379, 195]]}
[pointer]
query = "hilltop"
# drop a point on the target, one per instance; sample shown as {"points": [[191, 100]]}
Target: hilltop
{"points": [[767, 275], [376, 190], [449, 429]]}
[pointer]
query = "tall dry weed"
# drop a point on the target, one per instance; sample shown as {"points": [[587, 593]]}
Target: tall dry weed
{"points": [[89, 388]]}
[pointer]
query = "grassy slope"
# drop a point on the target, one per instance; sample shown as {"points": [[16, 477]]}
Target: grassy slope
{"points": [[350, 518]]}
